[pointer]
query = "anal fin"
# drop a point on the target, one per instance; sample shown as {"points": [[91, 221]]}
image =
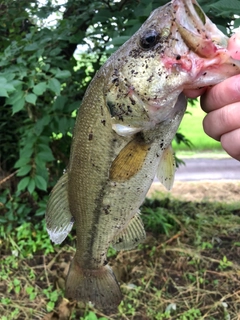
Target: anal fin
{"points": [[166, 169], [59, 220], [131, 236]]}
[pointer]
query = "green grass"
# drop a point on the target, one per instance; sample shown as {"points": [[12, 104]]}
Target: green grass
{"points": [[187, 269], [191, 127]]}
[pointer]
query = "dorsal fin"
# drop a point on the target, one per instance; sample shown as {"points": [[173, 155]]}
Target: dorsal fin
{"points": [[59, 220]]}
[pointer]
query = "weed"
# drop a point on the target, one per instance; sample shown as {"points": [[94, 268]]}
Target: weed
{"points": [[206, 245], [31, 291], [126, 308], [157, 219], [191, 314], [52, 296], [111, 252], [180, 280], [92, 316], [224, 264]]}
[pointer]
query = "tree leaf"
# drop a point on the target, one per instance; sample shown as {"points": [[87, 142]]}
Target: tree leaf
{"points": [[46, 156], [59, 103], [3, 92], [40, 88], [8, 86], [18, 106], [31, 185], [2, 80], [55, 86], [23, 183], [31, 47], [40, 182], [63, 74], [21, 162], [24, 170], [31, 98], [41, 123], [15, 97]]}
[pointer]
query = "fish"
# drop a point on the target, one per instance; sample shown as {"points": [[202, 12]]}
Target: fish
{"points": [[122, 139]]}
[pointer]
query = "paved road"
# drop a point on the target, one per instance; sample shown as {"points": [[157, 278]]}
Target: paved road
{"points": [[208, 169]]}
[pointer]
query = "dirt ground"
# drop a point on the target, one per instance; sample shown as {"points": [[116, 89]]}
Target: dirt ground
{"points": [[222, 191]]}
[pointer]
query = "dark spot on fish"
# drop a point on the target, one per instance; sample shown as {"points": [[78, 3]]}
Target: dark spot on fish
{"points": [[136, 239], [161, 145], [150, 78], [111, 107], [103, 122], [120, 240], [178, 57], [72, 220], [204, 73], [129, 109], [106, 209], [115, 80], [132, 101], [90, 136], [234, 65]]}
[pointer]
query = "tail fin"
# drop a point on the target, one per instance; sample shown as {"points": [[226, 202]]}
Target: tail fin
{"points": [[98, 286]]}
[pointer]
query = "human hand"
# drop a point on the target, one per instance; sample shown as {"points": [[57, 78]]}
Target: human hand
{"points": [[222, 122]]}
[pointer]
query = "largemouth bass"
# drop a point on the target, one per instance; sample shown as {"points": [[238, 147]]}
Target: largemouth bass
{"points": [[122, 139]]}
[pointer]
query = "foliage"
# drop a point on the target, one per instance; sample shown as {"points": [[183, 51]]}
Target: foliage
{"points": [[191, 273]]}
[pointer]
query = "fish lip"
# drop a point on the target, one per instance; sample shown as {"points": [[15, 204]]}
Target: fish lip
{"points": [[198, 33]]}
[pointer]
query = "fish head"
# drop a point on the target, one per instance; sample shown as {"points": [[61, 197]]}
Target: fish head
{"points": [[177, 48]]}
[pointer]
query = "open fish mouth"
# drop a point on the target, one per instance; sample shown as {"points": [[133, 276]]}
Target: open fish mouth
{"points": [[197, 31]]}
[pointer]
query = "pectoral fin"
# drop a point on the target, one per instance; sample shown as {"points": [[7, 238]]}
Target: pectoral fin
{"points": [[129, 161], [59, 220], [131, 236], [167, 167]]}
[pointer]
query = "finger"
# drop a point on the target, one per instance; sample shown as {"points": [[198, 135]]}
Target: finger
{"points": [[194, 93], [221, 121], [231, 143], [224, 93]]}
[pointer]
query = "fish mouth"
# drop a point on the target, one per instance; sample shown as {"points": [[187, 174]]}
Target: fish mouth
{"points": [[197, 31]]}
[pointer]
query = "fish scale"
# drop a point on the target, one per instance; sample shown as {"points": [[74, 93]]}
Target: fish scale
{"points": [[122, 139]]}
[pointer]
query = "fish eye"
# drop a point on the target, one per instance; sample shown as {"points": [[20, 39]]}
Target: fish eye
{"points": [[149, 39], [200, 13]]}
